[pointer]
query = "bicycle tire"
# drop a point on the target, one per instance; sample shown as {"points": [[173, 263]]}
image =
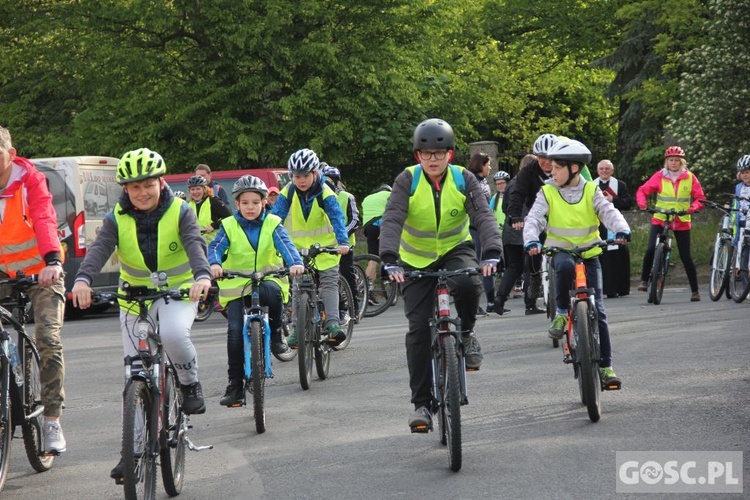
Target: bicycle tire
{"points": [[322, 360], [550, 295], [6, 423], [739, 282], [382, 291], [588, 361], [286, 320], [720, 263], [305, 340], [205, 308], [658, 276], [172, 440], [258, 377], [451, 405], [346, 300], [362, 291], [139, 467], [33, 429]]}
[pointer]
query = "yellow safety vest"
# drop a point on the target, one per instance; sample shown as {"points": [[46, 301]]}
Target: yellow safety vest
{"points": [[204, 216], [498, 210], [316, 228], [668, 199], [171, 256], [343, 198], [423, 240], [241, 256], [572, 224]]}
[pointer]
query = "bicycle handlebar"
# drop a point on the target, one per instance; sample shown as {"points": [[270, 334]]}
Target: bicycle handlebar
{"points": [[577, 251], [144, 294], [442, 273], [21, 281], [255, 275], [671, 211]]}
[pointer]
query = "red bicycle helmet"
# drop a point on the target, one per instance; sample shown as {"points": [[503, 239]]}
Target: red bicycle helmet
{"points": [[674, 151]]}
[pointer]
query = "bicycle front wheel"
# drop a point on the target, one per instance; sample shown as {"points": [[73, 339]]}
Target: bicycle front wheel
{"points": [[139, 471], [6, 426], [658, 275], [32, 429], [258, 376], [588, 361], [382, 291], [719, 278], [739, 281], [450, 406], [361, 292], [172, 439], [346, 309], [305, 340]]}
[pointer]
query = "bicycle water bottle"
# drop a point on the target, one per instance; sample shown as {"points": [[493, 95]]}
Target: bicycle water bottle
{"points": [[15, 363], [444, 305]]}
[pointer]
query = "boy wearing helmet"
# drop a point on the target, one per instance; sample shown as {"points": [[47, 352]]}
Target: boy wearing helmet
{"points": [[570, 209], [426, 226], [311, 214], [153, 231], [741, 205], [678, 188], [209, 209], [251, 240]]}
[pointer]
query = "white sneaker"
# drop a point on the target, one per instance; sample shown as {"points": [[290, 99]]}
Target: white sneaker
{"points": [[54, 441]]}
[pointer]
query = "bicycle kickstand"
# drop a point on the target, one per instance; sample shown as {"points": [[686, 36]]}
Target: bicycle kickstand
{"points": [[193, 447]]}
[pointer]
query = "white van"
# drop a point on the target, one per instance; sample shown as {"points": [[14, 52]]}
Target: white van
{"points": [[83, 189]]}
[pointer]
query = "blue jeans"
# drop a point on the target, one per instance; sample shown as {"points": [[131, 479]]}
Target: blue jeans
{"points": [[565, 268], [270, 296]]}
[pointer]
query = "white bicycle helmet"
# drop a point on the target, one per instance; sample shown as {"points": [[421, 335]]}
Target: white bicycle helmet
{"points": [[743, 163], [303, 162], [249, 183], [501, 175], [544, 143]]}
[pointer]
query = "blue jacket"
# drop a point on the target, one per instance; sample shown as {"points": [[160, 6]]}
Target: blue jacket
{"points": [[218, 248]]}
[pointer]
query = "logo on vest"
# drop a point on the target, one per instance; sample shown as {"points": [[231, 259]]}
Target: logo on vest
{"points": [[173, 246], [454, 212]]}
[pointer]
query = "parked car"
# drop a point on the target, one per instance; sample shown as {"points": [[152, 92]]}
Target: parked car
{"points": [[273, 177], [83, 190]]}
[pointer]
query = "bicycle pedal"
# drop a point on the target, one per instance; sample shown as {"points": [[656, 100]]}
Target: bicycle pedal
{"points": [[120, 481], [567, 360], [420, 429], [616, 386], [50, 453], [237, 404], [475, 369]]}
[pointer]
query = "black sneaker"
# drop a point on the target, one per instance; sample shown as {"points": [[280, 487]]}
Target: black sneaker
{"points": [[498, 305], [118, 472], [233, 394], [481, 313], [279, 347], [535, 309], [192, 399], [472, 352]]}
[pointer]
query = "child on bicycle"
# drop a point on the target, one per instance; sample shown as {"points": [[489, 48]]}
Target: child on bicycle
{"points": [[570, 209], [676, 188], [251, 240], [426, 226], [739, 216], [311, 214], [152, 230]]}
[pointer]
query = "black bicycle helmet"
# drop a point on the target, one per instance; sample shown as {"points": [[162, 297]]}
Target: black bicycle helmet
{"points": [[434, 134]]}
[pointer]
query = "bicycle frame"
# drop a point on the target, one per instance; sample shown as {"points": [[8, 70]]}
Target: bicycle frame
{"points": [[663, 241], [440, 326]]}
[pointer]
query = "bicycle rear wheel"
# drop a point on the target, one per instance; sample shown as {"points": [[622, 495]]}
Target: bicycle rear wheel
{"points": [[322, 360], [139, 471], [588, 362], [6, 425], [258, 371], [739, 281], [719, 278], [172, 439], [361, 292], [286, 320], [382, 291], [305, 340], [658, 275], [346, 309], [450, 406], [32, 429]]}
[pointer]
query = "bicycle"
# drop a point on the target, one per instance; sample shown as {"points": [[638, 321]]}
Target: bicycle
{"points": [[723, 254], [448, 365], [662, 255], [310, 316], [382, 292], [581, 346], [256, 334], [739, 278], [153, 424], [548, 288], [21, 403]]}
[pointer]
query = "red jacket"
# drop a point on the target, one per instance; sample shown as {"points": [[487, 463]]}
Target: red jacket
{"points": [[654, 185], [41, 210]]}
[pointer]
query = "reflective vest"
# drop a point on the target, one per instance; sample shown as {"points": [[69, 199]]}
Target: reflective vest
{"points": [[243, 257], [343, 198], [572, 224], [204, 217], [316, 228], [667, 198], [423, 240], [373, 206], [496, 204], [18, 247], [171, 256]]}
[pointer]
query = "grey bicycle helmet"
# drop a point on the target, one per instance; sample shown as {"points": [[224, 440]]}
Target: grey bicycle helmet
{"points": [[501, 175], [197, 180], [434, 134], [544, 143], [303, 162], [743, 163], [249, 183]]}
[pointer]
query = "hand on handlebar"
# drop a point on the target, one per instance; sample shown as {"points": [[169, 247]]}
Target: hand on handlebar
{"points": [[489, 266], [395, 272], [343, 249], [533, 247], [199, 288], [216, 271], [49, 275], [296, 270], [81, 294]]}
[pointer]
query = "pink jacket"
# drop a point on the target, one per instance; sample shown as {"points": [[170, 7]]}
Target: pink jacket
{"points": [[654, 185]]}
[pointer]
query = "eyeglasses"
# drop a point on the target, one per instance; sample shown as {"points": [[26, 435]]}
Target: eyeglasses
{"points": [[438, 155]]}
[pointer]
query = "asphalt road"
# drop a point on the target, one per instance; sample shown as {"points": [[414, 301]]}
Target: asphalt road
{"points": [[686, 387]]}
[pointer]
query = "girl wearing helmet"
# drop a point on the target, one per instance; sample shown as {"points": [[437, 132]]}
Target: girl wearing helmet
{"points": [[209, 209], [251, 240], [570, 209], [311, 213], [678, 188], [742, 189]]}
